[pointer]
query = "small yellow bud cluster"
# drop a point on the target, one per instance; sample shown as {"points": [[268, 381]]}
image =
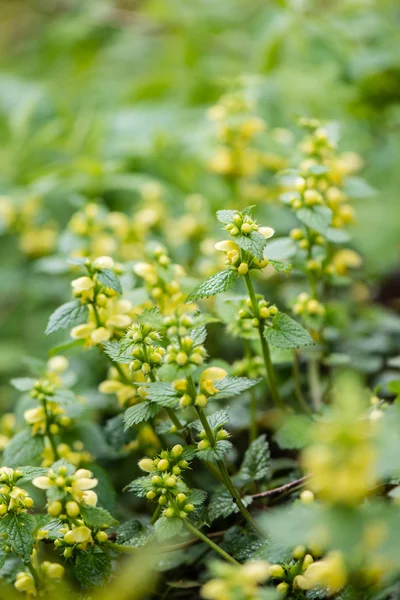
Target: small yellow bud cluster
{"points": [[161, 278], [243, 582], [142, 341], [127, 394], [307, 240], [264, 312], [66, 490], [204, 443], [305, 305], [178, 325], [183, 352], [49, 573], [251, 367], [75, 454], [206, 389], [241, 225], [330, 572], [7, 429], [49, 416], [343, 260], [13, 499], [165, 482]]}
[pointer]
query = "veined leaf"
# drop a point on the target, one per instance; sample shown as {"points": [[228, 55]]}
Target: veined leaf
{"points": [[287, 333], [216, 284], [66, 316], [140, 412], [110, 280]]}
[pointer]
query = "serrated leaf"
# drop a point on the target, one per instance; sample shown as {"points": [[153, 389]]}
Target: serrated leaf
{"points": [[216, 420], [64, 346], [134, 534], [233, 386], [226, 216], [29, 473], [287, 333], [167, 528], [197, 497], [213, 455], [140, 486], [281, 267], [198, 335], [66, 316], [23, 384], [162, 393], [256, 462], [52, 526], [23, 449], [318, 218], [95, 516], [110, 280], [216, 284], [223, 505], [19, 530], [140, 412], [254, 243], [152, 317], [242, 543], [295, 432], [115, 433], [93, 567], [117, 354]]}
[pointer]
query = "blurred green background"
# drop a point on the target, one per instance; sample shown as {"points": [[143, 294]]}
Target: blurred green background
{"points": [[96, 94]]}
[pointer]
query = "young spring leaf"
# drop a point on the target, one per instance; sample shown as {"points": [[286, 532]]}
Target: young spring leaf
{"points": [[216, 284], [223, 505], [233, 386], [213, 455], [295, 432], [254, 243], [134, 534], [162, 393], [226, 216], [23, 384], [287, 333], [66, 316], [256, 462], [281, 267], [140, 486], [140, 412], [318, 218], [167, 528], [109, 279], [116, 353], [95, 516]]}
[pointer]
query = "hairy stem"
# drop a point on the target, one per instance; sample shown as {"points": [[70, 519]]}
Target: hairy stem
{"points": [[264, 345], [210, 543]]}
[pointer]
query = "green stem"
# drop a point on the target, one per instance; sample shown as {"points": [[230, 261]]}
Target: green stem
{"points": [[172, 416], [210, 543], [253, 416], [264, 346], [296, 377], [49, 435], [236, 496], [226, 478], [156, 514], [117, 366], [121, 548], [34, 574], [315, 386]]}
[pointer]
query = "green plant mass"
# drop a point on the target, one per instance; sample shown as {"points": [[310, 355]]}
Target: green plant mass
{"points": [[200, 328]]}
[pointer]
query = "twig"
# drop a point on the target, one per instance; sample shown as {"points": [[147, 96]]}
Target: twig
{"points": [[282, 488]]}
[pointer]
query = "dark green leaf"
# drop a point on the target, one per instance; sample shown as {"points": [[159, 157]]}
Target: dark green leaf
{"points": [[95, 516], [254, 243], [133, 533], [19, 530], [216, 284], [24, 449], [167, 528], [140, 412], [281, 266], [256, 462], [93, 568], [110, 280]]}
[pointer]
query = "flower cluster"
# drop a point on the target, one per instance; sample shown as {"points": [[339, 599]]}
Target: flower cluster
{"points": [[13, 499], [143, 343], [242, 582]]}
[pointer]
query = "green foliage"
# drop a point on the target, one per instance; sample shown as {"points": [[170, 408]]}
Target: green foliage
{"points": [[256, 462], [216, 284], [294, 433], [66, 316], [23, 449], [287, 333], [93, 568], [18, 530]]}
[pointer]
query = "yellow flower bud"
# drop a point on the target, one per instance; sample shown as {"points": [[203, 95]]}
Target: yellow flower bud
{"points": [[101, 536], [58, 364], [147, 465], [72, 509], [79, 535], [243, 268], [103, 262], [101, 334], [55, 508], [82, 284], [307, 497], [276, 571]]}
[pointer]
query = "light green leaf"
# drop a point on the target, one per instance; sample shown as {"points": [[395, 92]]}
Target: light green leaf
{"points": [[162, 393], [23, 384], [223, 505], [24, 449], [117, 354], [281, 267], [110, 280], [233, 386], [213, 455], [287, 333], [254, 243], [295, 432], [226, 216], [140, 412], [66, 316], [167, 528], [216, 284], [256, 462], [318, 218]]}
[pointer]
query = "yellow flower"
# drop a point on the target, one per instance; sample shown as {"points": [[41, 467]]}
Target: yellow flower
{"points": [[329, 572]]}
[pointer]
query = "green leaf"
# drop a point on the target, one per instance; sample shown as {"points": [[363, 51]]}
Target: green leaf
{"points": [[66, 316], [213, 455], [233, 386], [24, 449], [19, 530], [256, 462], [254, 243], [140, 412], [29, 473], [287, 333], [133, 533], [281, 266], [162, 393], [110, 280], [52, 526], [337, 236], [295, 432], [226, 216], [167, 528], [64, 346], [318, 218], [140, 486], [242, 543], [223, 505], [93, 568], [95, 516], [198, 335], [216, 284], [281, 249], [117, 354], [23, 384]]}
